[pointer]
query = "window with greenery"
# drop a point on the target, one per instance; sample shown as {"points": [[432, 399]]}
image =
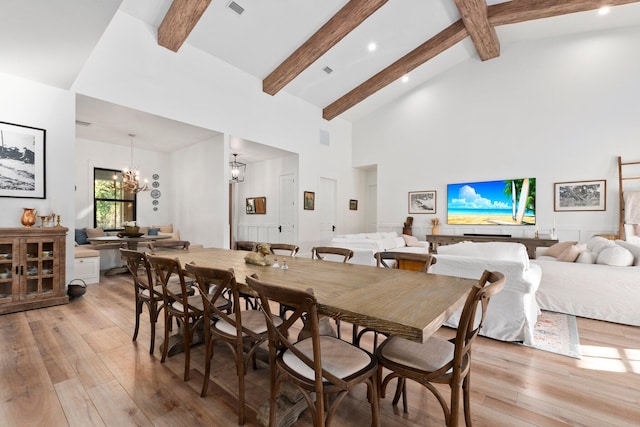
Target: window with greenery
{"points": [[112, 206]]}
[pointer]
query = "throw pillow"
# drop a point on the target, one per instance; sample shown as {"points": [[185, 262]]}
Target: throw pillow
{"points": [[615, 255], [153, 232], [81, 237], [634, 249], [164, 228], [571, 253], [558, 248], [586, 257], [597, 244], [94, 232], [411, 241]]}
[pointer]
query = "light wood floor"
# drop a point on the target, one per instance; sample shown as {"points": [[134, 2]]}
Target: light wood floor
{"points": [[76, 365]]}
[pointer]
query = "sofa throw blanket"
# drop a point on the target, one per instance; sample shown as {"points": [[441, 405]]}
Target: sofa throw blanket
{"points": [[632, 207]]}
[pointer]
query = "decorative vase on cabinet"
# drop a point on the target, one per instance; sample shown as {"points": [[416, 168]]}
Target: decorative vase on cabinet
{"points": [[28, 218]]}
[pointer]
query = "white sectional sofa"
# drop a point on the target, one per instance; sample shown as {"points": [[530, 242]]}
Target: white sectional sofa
{"points": [[365, 245], [513, 312], [601, 283]]}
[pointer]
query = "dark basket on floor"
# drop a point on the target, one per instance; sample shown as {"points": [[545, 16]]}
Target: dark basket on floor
{"points": [[76, 288]]}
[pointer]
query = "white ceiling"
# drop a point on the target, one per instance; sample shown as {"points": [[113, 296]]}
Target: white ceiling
{"points": [[49, 40]]}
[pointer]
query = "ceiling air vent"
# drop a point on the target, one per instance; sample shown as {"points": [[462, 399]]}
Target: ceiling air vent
{"points": [[235, 7], [81, 123], [327, 70]]}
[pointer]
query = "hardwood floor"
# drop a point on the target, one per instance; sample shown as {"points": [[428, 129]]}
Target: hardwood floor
{"points": [[76, 365]]}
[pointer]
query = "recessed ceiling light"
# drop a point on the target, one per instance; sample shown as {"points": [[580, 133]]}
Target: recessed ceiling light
{"points": [[372, 46], [604, 10], [405, 79]]}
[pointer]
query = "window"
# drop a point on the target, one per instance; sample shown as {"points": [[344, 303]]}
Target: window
{"points": [[111, 204]]}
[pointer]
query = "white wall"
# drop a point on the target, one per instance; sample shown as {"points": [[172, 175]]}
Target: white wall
{"points": [[129, 68], [32, 104], [558, 110]]}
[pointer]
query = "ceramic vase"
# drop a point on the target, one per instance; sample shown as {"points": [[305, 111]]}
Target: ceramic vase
{"points": [[28, 217], [435, 230]]}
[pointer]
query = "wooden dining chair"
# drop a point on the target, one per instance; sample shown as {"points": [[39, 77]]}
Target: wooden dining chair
{"points": [[145, 292], [405, 260], [164, 245], [317, 364], [243, 331], [187, 309], [331, 253], [401, 261], [438, 360], [285, 249], [245, 245]]}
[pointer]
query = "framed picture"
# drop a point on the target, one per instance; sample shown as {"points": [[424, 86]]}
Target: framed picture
{"points": [[422, 202], [580, 196], [309, 202], [353, 205], [256, 205], [22, 161]]}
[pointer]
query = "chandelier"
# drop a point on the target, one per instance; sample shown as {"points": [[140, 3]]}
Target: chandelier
{"points": [[237, 170], [131, 176]]}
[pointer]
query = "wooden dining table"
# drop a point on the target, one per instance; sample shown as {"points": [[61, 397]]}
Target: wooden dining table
{"points": [[407, 304]]}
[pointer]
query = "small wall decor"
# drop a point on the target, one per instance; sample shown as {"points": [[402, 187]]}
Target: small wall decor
{"points": [[353, 205], [22, 161], [580, 196], [309, 201], [256, 205], [422, 202]]}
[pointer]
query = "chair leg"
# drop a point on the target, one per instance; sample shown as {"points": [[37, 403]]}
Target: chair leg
{"points": [[207, 362], [186, 336], [138, 312], [240, 369], [455, 405], [165, 344], [466, 391]]}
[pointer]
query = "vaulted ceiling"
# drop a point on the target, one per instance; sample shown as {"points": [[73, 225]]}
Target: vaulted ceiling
{"points": [[477, 20], [288, 44]]}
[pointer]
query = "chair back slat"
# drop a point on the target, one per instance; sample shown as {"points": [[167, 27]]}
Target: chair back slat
{"points": [[321, 252], [137, 262], [405, 260], [166, 268], [284, 249]]}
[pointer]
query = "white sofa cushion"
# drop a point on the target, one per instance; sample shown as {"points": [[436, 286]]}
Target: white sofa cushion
{"points": [[597, 244], [586, 257], [506, 251]]}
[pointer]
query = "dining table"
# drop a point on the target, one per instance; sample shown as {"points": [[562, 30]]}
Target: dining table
{"points": [[408, 304], [114, 242]]}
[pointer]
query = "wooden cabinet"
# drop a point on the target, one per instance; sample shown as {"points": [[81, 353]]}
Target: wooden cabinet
{"points": [[32, 268]]}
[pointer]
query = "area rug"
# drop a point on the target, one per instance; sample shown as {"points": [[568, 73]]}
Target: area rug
{"points": [[557, 333]]}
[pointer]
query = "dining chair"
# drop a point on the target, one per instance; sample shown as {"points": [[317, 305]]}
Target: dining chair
{"points": [[160, 245], [317, 364], [245, 245], [241, 330], [187, 309], [401, 261], [438, 360], [145, 292], [331, 253], [285, 249]]}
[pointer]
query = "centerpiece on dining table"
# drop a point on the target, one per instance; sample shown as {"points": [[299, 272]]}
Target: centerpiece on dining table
{"points": [[130, 230]]}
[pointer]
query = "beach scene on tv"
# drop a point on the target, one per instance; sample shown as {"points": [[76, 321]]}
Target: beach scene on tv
{"points": [[504, 202]]}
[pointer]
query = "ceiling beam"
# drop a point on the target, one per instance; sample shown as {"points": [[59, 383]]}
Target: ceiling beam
{"points": [[341, 24], [427, 50], [181, 18], [475, 18], [527, 10]]}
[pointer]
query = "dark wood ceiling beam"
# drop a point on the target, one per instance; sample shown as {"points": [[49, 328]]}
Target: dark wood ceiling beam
{"points": [[475, 18], [429, 49], [181, 18], [334, 30], [527, 10]]}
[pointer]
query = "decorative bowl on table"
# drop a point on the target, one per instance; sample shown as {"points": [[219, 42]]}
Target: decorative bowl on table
{"points": [[125, 234]]}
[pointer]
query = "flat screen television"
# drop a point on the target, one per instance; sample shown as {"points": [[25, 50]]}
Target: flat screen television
{"points": [[504, 202]]}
